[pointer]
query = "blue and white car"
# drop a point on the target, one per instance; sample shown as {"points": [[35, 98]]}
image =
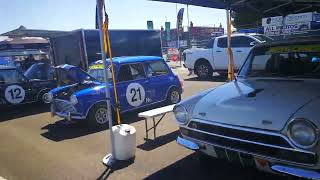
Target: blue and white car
{"points": [[141, 81], [268, 117]]}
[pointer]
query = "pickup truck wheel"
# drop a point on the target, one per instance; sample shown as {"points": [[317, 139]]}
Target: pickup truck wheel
{"points": [[203, 70], [98, 116]]}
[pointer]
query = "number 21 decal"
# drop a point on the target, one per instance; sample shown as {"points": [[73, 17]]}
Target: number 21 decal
{"points": [[135, 94]]}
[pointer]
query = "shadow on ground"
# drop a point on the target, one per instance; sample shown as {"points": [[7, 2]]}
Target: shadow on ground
{"points": [[216, 78], [215, 169], [150, 145], [116, 166], [20, 111], [60, 130]]}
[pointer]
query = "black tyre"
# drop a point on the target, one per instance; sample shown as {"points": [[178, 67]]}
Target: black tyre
{"points": [[98, 116], [203, 70], [173, 96], [43, 98]]}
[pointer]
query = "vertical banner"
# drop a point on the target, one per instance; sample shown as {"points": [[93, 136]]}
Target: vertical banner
{"points": [[179, 22], [150, 25], [163, 37], [168, 31]]}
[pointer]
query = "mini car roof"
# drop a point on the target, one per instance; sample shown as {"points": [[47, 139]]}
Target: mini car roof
{"points": [[287, 42], [2, 67], [130, 59], [65, 66]]}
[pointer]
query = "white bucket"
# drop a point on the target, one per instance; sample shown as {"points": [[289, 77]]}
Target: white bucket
{"points": [[124, 141]]}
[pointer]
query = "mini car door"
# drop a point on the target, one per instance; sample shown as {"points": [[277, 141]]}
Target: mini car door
{"points": [[158, 81], [15, 88], [131, 86]]}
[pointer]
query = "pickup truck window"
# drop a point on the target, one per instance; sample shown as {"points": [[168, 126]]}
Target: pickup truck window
{"points": [[222, 43], [210, 44], [241, 41], [238, 41]]}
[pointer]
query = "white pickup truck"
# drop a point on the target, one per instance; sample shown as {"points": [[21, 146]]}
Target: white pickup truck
{"points": [[214, 58]]}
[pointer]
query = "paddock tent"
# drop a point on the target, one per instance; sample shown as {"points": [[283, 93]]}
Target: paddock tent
{"points": [[267, 8]]}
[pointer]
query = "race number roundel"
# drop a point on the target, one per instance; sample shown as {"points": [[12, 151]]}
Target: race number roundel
{"points": [[135, 94], [14, 94]]}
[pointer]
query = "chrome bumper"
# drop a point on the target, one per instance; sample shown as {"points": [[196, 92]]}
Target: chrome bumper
{"points": [[69, 116], [302, 173], [187, 144], [66, 115]]}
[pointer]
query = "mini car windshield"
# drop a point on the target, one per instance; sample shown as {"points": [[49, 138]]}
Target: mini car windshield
{"points": [[96, 71], [9, 76], [296, 61]]}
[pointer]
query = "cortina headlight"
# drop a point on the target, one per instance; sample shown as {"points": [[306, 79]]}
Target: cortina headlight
{"points": [[73, 99], [181, 114], [303, 133]]}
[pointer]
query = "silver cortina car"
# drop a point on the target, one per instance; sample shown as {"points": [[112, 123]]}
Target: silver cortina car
{"points": [[269, 117]]}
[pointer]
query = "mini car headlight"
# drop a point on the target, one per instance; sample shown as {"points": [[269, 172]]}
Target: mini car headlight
{"points": [[73, 99], [181, 114], [303, 133]]}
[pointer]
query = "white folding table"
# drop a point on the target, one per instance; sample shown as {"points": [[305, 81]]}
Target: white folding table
{"points": [[158, 112]]}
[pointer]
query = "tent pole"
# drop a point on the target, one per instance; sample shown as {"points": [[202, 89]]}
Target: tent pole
{"points": [[189, 40], [109, 158], [229, 50], [178, 38]]}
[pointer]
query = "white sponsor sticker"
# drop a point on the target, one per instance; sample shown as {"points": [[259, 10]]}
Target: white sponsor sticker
{"points": [[135, 94], [14, 94]]}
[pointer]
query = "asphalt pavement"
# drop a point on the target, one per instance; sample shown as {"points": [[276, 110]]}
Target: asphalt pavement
{"points": [[35, 145]]}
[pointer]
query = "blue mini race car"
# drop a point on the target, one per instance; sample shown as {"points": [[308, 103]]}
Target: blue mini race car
{"points": [[142, 81]]}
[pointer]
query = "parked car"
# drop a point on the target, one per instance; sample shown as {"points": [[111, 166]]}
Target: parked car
{"points": [[268, 117], [142, 81], [214, 58], [16, 88], [172, 54]]}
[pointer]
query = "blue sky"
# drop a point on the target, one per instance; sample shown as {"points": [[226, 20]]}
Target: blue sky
{"points": [[75, 14]]}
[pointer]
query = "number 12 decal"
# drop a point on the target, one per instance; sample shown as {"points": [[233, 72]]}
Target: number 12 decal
{"points": [[14, 94], [135, 94]]}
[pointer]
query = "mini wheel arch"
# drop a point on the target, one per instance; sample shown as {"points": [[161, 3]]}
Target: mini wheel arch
{"points": [[100, 103], [173, 88], [41, 93]]}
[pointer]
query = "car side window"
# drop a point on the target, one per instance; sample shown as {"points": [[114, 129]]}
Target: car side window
{"points": [[241, 41], [124, 73], [222, 42], [130, 72], [156, 68], [137, 71], [11, 76], [210, 43]]}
